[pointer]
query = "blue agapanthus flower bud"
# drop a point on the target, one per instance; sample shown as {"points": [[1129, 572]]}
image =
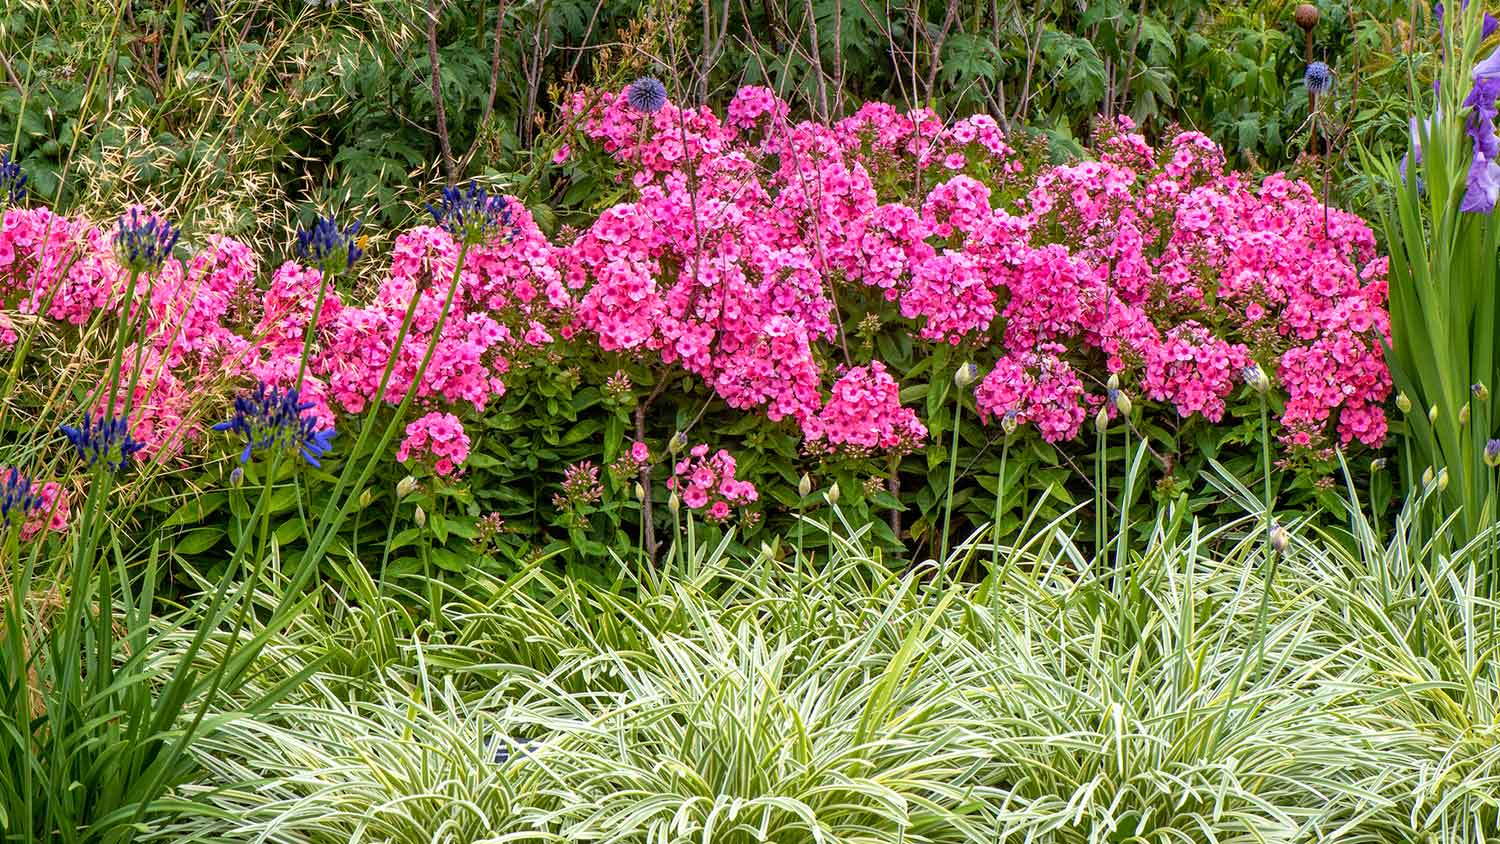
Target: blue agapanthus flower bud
{"points": [[1318, 78], [271, 419], [103, 440], [12, 180], [473, 215], [144, 241], [647, 95], [17, 501], [328, 246]]}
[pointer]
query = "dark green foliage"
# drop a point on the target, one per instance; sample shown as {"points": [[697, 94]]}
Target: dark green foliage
{"points": [[243, 114]]}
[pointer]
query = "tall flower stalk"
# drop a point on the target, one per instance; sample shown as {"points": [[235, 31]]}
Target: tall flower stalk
{"points": [[1443, 235]]}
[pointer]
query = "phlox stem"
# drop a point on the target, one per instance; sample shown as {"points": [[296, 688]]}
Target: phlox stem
{"points": [[958, 406], [999, 506]]}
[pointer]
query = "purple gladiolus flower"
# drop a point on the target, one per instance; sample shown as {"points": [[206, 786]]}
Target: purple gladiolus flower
{"points": [[1484, 171], [1414, 158], [1488, 27], [1484, 186]]}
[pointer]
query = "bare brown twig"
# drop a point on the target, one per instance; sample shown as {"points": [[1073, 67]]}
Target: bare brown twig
{"points": [[433, 10]]}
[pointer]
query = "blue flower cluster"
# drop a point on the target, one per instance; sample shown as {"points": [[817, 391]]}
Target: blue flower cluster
{"points": [[16, 498], [271, 418], [144, 242], [327, 245], [12, 180], [473, 215], [103, 439], [647, 95]]}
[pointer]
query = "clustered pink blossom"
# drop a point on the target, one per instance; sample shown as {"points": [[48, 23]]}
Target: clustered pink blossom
{"points": [[865, 415], [629, 464], [1037, 388], [52, 514], [706, 482], [1153, 265], [742, 245], [580, 486], [436, 439]]}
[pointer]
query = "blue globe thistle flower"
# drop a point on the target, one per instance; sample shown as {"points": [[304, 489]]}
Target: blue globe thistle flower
{"points": [[1318, 78], [16, 498], [272, 418], [103, 439], [328, 246], [473, 215], [144, 242], [12, 180], [647, 95]]}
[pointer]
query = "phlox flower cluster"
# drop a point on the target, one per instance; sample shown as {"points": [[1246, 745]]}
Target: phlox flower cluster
{"points": [[706, 482], [1151, 264], [580, 486], [864, 415], [1037, 388], [210, 331], [629, 464], [436, 439], [742, 245]]}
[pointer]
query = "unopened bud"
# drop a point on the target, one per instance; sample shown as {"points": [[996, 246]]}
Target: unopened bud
{"points": [[421, 516], [1480, 391], [1122, 403], [1403, 403], [1008, 423], [677, 443], [966, 375], [1442, 479], [1492, 454], [365, 498], [406, 486], [1432, 415], [1113, 383], [1256, 378], [640, 492], [674, 503], [1463, 415], [833, 493], [1378, 464], [237, 476], [1280, 539], [1427, 477], [1101, 421], [804, 486]]}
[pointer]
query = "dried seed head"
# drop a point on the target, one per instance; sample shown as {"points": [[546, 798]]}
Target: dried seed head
{"points": [[1306, 16]]}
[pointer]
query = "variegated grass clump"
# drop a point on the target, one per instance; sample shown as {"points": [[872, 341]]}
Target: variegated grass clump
{"points": [[762, 700]]}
